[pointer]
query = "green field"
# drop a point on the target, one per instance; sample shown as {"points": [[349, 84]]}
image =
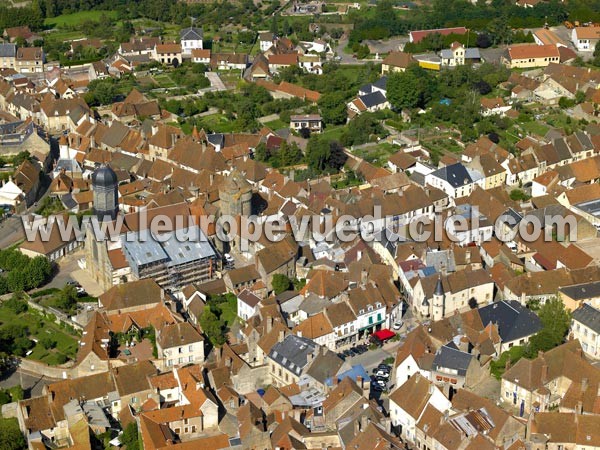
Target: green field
{"points": [[535, 127], [69, 20], [164, 81], [276, 124], [218, 123], [39, 327], [377, 154]]}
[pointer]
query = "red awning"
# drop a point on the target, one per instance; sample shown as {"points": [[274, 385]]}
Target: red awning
{"points": [[384, 334]]}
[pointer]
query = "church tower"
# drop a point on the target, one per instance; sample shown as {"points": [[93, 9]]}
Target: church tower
{"points": [[106, 193], [439, 300]]}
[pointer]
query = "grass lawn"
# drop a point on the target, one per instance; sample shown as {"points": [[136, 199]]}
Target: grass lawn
{"points": [[164, 81], [229, 311], [218, 123], [277, 124], [333, 132], [377, 154], [67, 20], [39, 326], [535, 127]]}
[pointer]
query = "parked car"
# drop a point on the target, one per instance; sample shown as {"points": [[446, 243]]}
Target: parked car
{"points": [[376, 387], [398, 325], [382, 374]]}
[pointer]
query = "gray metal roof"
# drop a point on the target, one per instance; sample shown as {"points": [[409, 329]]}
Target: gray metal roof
{"points": [[449, 357], [472, 53], [8, 50], [292, 353], [181, 252], [373, 99], [456, 175], [514, 321], [174, 248], [189, 34], [588, 316], [582, 291], [141, 252]]}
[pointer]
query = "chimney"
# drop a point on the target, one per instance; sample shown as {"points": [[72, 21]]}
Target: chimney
{"points": [[584, 384], [468, 256], [545, 373], [359, 381], [281, 336], [228, 362], [579, 407], [364, 421], [363, 277], [269, 323]]}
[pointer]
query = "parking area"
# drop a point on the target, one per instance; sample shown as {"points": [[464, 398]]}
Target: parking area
{"points": [[69, 270]]}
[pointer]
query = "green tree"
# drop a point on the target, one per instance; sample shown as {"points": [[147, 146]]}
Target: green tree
{"points": [[129, 437], [555, 325], [66, 299], [333, 107], [38, 271], [317, 152], [289, 154], [48, 342], [212, 326], [16, 393], [281, 283], [409, 89], [11, 437]]}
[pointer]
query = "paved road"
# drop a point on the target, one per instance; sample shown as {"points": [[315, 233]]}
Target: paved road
{"points": [[345, 57], [11, 231], [32, 384], [215, 81]]}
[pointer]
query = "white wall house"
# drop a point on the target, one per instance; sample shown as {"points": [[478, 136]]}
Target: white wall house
{"points": [[191, 39], [247, 304], [585, 38]]}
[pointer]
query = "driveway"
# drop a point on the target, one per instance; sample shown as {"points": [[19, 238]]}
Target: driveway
{"points": [[345, 58], [68, 270]]}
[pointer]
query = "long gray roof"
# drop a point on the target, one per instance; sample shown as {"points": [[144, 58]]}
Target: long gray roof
{"points": [[292, 353], [513, 319], [588, 316], [449, 357], [8, 50]]}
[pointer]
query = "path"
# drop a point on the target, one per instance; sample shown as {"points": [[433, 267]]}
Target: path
{"points": [[215, 81]]}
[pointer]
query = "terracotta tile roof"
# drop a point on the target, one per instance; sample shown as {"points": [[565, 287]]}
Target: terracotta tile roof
{"points": [[527, 51], [132, 294], [563, 361], [157, 317], [418, 36], [587, 32], [314, 327], [133, 378], [568, 428], [178, 334], [284, 59], [412, 396], [168, 48], [399, 59], [291, 89]]}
